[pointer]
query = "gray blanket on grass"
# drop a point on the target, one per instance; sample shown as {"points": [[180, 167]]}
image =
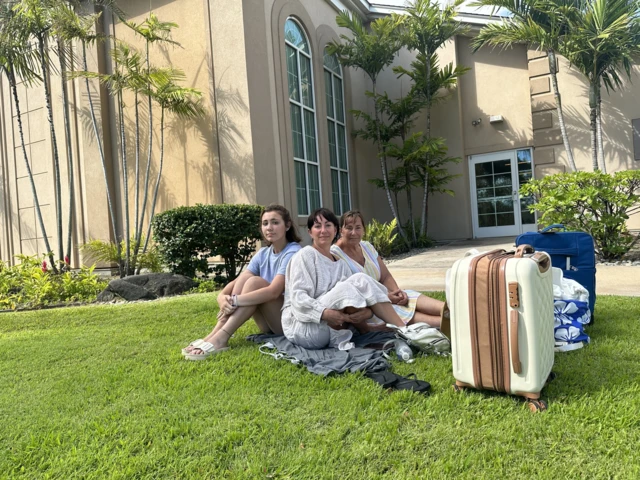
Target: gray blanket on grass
{"points": [[330, 360]]}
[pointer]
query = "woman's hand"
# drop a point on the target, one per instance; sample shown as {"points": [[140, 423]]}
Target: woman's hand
{"points": [[335, 318], [360, 315], [398, 297], [225, 305]]}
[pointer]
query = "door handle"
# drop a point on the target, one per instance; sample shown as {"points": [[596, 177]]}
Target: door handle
{"points": [[514, 195]]}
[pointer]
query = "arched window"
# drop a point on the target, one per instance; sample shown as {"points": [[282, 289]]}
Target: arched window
{"points": [[337, 134], [303, 118]]}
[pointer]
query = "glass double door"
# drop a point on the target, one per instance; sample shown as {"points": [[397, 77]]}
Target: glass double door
{"points": [[498, 208]]}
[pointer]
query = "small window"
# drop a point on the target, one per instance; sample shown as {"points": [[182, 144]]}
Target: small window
{"points": [[303, 118], [635, 127], [334, 93]]}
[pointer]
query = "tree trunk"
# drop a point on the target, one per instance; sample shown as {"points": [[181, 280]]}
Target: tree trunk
{"points": [[407, 179], [94, 122], [383, 165], [603, 165], [157, 187], [125, 185], [67, 130], [425, 196], [593, 115], [36, 203], [556, 93], [137, 185], [148, 170], [54, 145]]}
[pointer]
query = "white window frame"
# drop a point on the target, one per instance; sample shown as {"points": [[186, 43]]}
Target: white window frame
{"points": [[307, 163], [337, 122]]}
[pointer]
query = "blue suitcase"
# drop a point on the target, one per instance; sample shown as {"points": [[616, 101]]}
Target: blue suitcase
{"points": [[572, 252]]}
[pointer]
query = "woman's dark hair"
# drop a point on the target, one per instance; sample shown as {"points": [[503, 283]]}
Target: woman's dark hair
{"points": [[350, 216], [328, 215], [292, 232]]}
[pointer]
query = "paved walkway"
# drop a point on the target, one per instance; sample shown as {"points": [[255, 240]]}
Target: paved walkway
{"points": [[426, 271]]}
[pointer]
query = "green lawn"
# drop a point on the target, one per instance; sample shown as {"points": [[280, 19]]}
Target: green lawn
{"points": [[103, 391]]}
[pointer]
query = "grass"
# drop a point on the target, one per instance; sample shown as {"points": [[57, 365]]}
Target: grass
{"points": [[103, 392]]}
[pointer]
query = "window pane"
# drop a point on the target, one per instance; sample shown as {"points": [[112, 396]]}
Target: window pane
{"points": [[337, 92], [335, 192], [505, 219], [301, 188], [296, 127], [502, 166], [503, 180], [333, 148], [305, 80], [293, 34], [331, 62], [344, 187], [524, 160], [310, 136], [504, 205], [485, 193], [292, 73], [314, 187], [328, 94], [342, 147], [484, 182], [527, 216], [487, 220], [486, 207], [484, 169]]}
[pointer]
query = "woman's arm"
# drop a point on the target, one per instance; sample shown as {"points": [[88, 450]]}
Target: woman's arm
{"points": [[262, 295], [301, 287], [396, 295]]}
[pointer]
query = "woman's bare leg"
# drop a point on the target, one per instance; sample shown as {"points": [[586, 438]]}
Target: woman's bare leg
{"points": [[428, 310], [268, 316], [385, 311]]}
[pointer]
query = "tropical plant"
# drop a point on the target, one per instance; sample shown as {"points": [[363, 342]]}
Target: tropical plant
{"points": [[370, 50], [595, 202], [426, 27], [538, 24], [603, 44], [108, 252], [381, 236], [19, 61]]}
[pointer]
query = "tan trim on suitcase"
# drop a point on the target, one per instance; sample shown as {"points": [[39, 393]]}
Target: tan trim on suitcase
{"points": [[504, 323]]}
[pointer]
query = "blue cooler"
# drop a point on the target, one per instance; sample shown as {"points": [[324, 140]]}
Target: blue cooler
{"points": [[572, 252]]}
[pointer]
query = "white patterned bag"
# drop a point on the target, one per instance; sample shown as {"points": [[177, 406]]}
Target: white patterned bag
{"points": [[424, 338], [571, 313]]}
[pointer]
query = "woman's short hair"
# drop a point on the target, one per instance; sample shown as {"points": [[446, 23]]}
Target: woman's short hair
{"points": [[292, 232], [328, 215], [350, 216]]}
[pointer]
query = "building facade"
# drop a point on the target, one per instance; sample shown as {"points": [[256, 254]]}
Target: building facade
{"points": [[278, 127]]}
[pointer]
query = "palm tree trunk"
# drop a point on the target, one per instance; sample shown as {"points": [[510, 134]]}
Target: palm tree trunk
{"points": [[383, 164], [67, 130], [407, 179], [593, 116], [54, 144], [603, 165], [425, 196], [36, 203], [148, 170], [556, 93], [125, 184], [94, 122], [157, 187], [137, 186]]}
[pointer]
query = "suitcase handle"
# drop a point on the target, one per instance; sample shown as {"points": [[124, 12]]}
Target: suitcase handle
{"points": [[523, 250], [515, 351], [543, 260], [555, 226]]}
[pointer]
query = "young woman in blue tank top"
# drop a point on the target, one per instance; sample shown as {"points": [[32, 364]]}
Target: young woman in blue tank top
{"points": [[258, 291]]}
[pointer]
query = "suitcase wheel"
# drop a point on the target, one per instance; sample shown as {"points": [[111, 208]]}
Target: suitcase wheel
{"points": [[458, 388], [536, 405]]}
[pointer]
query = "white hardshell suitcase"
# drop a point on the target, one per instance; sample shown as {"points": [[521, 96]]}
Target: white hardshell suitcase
{"points": [[510, 346]]}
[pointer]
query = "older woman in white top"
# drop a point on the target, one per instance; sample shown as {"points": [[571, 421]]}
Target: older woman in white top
{"points": [[322, 296]]}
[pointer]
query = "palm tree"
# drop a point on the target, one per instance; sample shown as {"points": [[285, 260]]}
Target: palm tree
{"points": [[18, 60], [370, 50], [152, 30], [183, 102], [36, 19], [602, 45], [534, 23]]}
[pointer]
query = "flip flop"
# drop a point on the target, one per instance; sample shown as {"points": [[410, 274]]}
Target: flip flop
{"points": [[207, 350], [384, 378], [413, 384]]}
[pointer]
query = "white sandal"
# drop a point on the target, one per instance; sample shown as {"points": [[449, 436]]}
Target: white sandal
{"points": [[189, 348], [207, 350]]}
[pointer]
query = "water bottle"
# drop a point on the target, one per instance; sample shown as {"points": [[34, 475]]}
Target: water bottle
{"points": [[403, 351]]}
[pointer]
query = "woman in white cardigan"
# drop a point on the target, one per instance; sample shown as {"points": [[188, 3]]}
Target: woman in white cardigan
{"points": [[322, 296]]}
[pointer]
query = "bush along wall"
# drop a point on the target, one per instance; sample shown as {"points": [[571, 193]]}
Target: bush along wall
{"points": [[188, 236]]}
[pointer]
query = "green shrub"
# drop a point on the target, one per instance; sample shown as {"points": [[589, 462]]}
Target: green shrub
{"points": [[107, 252], [381, 236], [188, 236], [206, 286], [594, 202], [32, 284]]}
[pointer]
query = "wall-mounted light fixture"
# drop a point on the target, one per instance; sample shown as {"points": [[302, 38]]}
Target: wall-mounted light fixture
{"points": [[476, 122], [496, 119]]}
